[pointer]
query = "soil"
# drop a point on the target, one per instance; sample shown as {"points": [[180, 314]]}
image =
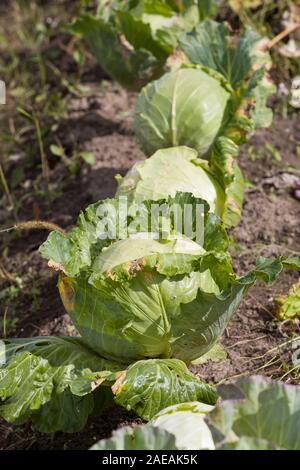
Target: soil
{"points": [[101, 123]]}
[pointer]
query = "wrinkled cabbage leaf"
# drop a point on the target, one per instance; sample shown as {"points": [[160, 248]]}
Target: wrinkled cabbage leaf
{"points": [[49, 380], [151, 385]]}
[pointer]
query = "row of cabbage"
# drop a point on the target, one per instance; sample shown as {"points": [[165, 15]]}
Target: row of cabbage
{"points": [[145, 306]]}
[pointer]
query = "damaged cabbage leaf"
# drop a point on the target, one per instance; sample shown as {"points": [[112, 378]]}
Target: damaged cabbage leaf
{"points": [[224, 166], [113, 219], [288, 306], [151, 385]]}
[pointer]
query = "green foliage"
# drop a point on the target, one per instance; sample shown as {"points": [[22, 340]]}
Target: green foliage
{"points": [[58, 382], [40, 378], [140, 297], [133, 40]]}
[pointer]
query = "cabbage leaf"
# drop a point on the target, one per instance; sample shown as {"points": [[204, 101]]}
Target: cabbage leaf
{"points": [[257, 413]]}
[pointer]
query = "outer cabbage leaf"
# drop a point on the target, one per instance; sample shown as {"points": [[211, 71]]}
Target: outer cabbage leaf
{"points": [[257, 413], [149, 386], [131, 68], [164, 304], [50, 381], [169, 171], [138, 438], [75, 251], [112, 219], [185, 107]]}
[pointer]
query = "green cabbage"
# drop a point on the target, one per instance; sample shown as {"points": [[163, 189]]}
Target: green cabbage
{"points": [[145, 298], [169, 171], [220, 182], [143, 305], [185, 107]]}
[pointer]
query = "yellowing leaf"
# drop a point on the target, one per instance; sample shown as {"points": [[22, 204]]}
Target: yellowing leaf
{"points": [[289, 306]]}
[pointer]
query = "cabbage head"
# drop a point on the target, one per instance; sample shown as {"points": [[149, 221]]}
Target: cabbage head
{"points": [[141, 297], [184, 107], [133, 40], [169, 171]]}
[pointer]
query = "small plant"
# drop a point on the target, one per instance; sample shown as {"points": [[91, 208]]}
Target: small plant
{"points": [[72, 162]]}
